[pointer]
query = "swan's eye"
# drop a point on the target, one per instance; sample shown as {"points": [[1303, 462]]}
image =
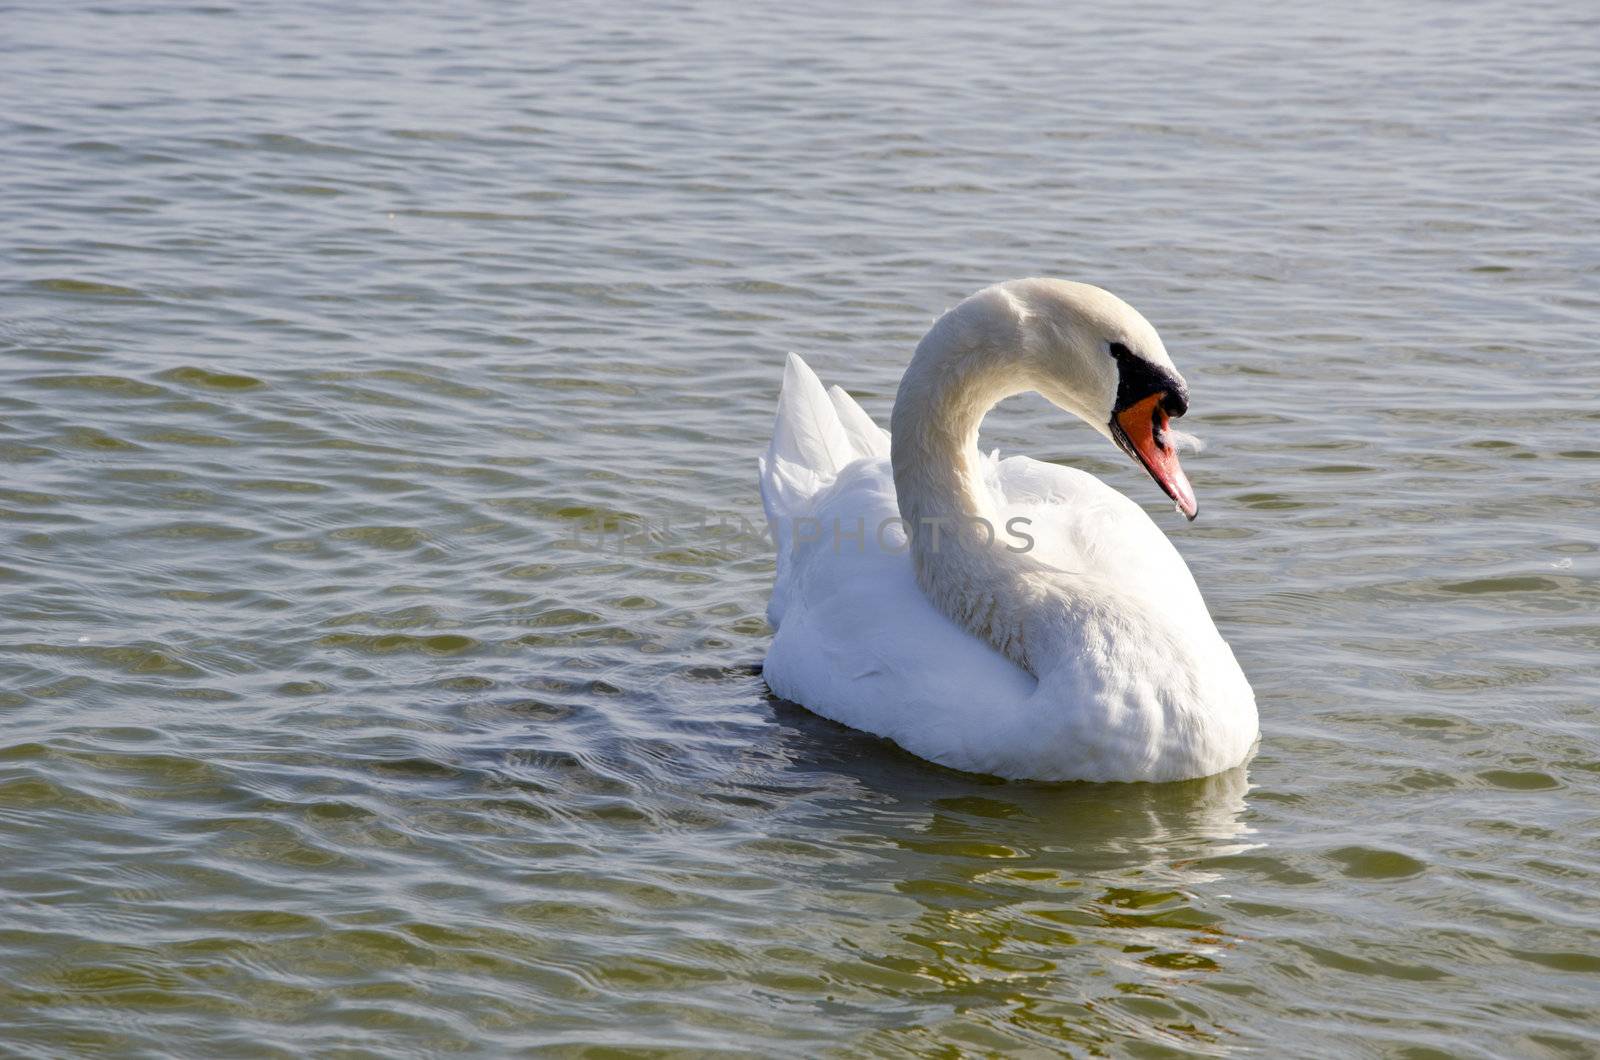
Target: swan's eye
{"points": [[1120, 352]]}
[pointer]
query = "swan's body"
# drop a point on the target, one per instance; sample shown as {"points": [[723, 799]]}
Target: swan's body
{"points": [[1085, 654]]}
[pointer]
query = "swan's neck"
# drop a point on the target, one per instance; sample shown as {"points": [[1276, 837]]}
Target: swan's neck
{"points": [[938, 480], [934, 435]]}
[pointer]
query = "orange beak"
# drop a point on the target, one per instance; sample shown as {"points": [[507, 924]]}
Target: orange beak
{"points": [[1141, 430]]}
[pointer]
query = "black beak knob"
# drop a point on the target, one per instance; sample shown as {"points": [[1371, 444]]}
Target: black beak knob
{"points": [[1176, 401]]}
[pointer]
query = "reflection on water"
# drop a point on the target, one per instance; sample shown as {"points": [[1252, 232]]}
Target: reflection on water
{"points": [[1001, 915]]}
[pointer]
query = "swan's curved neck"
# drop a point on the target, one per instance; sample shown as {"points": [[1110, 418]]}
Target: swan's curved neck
{"points": [[942, 400], [938, 480]]}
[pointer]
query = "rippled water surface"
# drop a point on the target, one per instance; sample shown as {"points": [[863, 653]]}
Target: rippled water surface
{"points": [[334, 337]]}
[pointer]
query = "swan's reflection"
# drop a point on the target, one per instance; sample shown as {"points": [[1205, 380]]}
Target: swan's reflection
{"points": [[1081, 911]]}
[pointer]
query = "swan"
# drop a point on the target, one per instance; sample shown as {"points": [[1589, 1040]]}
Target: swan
{"points": [[1008, 617]]}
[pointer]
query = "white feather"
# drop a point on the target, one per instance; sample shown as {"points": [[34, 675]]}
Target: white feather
{"points": [[1115, 669]]}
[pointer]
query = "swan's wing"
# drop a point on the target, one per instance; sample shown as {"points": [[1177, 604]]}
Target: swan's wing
{"points": [[867, 438], [815, 436], [807, 432], [861, 644], [1080, 524]]}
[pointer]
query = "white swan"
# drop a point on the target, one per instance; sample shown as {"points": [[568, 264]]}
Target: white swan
{"points": [[1074, 645]]}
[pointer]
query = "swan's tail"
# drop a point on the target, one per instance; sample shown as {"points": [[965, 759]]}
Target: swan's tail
{"points": [[817, 433]]}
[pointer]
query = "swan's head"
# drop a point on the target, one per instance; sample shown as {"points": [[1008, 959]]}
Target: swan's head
{"points": [[1094, 355]]}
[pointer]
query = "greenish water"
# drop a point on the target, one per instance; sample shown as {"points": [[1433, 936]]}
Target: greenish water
{"points": [[330, 339]]}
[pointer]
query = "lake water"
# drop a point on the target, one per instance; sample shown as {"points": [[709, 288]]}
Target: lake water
{"points": [[333, 338]]}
